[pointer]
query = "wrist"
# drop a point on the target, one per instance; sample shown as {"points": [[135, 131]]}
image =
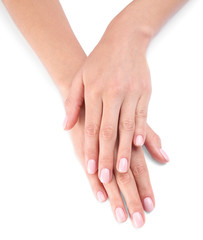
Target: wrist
{"points": [[125, 27]]}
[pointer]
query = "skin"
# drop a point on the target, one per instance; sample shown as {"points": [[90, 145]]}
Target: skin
{"points": [[135, 184], [63, 56], [115, 83]]}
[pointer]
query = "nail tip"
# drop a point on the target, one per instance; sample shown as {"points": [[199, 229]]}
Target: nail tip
{"points": [[65, 122], [138, 220], [139, 142], [123, 165], [163, 153], [91, 166], [148, 204], [120, 215], [120, 171], [100, 196], [105, 175]]}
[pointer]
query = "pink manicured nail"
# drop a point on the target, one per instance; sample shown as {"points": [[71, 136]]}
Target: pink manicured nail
{"points": [[91, 166], [139, 140], [100, 196], [138, 220], [164, 154], [65, 122], [148, 204], [123, 165], [105, 175], [120, 215]]}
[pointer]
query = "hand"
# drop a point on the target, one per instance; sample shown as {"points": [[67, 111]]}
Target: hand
{"points": [[135, 184], [115, 80]]}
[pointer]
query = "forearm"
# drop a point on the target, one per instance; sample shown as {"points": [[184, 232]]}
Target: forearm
{"points": [[46, 28], [142, 19]]}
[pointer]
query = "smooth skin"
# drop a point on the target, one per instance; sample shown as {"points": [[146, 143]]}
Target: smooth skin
{"points": [[62, 56], [135, 184], [115, 83]]}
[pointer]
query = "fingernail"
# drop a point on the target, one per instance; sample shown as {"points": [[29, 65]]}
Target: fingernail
{"points": [[65, 122], [148, 204], [105, 175], [164, 154], [91, 166], [123, 165], [139, 140], [100, 196], [138, 220], [120, 215]]}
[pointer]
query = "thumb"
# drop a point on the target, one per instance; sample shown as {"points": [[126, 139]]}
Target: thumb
{"points": [[74, 102], [153, 146]]}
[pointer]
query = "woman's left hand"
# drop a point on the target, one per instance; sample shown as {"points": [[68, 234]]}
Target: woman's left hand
{"points": [[135, 184]]}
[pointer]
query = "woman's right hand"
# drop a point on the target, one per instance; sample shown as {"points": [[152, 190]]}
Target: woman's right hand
{"points": [[115, 84], [135, 184]]}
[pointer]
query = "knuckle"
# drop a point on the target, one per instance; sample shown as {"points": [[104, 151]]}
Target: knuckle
{"points": [[93, 90], [127, 125], [78, 102], [115, 91], [71, 101], [125, 150], [154, 137], [96, 92], [141, 113], [123, 178], [106, 160], [91, 130], [139, 170], [107, 131], [135, 90], [90, 152]]}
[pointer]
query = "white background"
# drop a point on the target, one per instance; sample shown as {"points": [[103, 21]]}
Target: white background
{"points": [[44, 193]]}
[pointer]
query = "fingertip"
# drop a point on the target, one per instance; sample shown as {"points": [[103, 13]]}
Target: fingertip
{"points": [[138, 140], [165, 156], [101, 197], [70, 119], [157, 156], [122, 166], [138, 220], [65, 122], [67, 125], [120, 215], [148, 204], [105, 175], [91, 166]]}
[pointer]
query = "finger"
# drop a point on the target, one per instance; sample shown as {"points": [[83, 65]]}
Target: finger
{"points": [[97, 187], [141, 175], [140, 121], [153, 145], [110, 190], [128, 187], [74, 102], [126, 132], [93, 111], [107, 138], [116, 200]]}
